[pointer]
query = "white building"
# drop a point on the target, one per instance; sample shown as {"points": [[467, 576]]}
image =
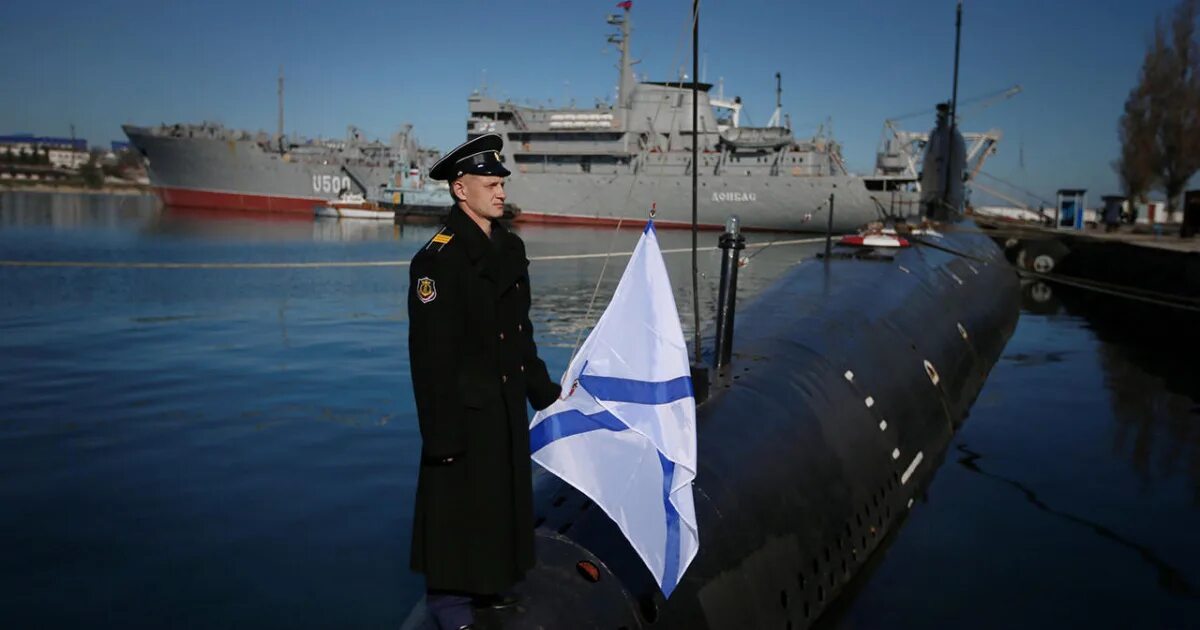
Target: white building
{"points": [[63, 158]]}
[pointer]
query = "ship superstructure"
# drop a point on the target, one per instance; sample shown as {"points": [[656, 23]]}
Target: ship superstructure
{"points": [[612, 162]]}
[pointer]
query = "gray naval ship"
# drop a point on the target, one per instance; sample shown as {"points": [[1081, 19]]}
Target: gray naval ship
{"points": [[612, 163], [210, 166]]}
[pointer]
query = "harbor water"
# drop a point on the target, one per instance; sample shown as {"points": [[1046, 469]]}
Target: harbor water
{"points": [[206, 420]]}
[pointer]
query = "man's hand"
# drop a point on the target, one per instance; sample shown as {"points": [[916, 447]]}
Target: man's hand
{"points": [[570, 392]]}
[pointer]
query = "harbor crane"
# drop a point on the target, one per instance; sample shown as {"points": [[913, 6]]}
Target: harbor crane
{"points": [[900, 151], [975, 104]]}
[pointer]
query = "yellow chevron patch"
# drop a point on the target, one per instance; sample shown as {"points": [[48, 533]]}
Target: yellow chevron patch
{"points": [[442, 239]]}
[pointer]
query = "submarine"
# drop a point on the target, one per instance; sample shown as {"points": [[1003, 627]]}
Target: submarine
{"points": [[832, 401]]}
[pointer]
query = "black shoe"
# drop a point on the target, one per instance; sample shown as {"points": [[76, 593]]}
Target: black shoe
{"points": [[495, 601]]}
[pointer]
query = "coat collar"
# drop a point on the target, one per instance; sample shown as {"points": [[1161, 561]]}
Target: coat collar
{"points": [[497, 257], [474, 240]]}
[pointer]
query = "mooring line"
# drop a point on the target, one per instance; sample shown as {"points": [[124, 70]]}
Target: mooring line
{"points": [[1179, 302], [84, 264]]}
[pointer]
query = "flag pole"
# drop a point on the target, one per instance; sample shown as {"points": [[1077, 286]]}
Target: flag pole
{"points": [[700, 382], [695, 171]]}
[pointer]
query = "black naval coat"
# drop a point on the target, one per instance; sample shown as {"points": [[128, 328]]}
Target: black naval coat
{"points": [[474, 364]]}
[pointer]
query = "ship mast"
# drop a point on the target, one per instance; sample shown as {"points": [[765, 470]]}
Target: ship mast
{"points": [[625, 87], [279, 131], [775, 117], [953, 109]]}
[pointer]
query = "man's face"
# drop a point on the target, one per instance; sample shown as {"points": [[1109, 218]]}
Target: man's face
{"points": [[483, 195]]}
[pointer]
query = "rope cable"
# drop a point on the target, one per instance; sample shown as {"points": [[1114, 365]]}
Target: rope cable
{"points": [[1122, 292]]}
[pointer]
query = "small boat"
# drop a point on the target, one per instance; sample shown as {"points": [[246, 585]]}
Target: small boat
{"points": [[874, 240], [355, 206], [878, 235], [419, 197]]}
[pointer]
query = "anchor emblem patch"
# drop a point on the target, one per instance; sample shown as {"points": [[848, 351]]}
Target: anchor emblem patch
{"points": [[426, 290]]}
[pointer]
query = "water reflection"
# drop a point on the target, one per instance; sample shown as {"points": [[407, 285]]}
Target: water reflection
{"points": [[232, 225], [1146, 354], [334, 229], [64, 211], [1170, 578]]}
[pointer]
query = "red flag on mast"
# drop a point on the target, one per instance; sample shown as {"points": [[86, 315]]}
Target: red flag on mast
{"points": [[627, 5]]}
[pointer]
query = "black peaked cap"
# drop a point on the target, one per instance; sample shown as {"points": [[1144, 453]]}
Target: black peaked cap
{"points": [[478, 156]]}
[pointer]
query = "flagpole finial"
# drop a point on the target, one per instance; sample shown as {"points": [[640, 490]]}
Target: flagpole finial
{"points": [[653, 209]]}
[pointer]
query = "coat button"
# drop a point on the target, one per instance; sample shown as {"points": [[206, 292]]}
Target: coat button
{"points": [[520, 328], [503, 378], [522, 368], [501, 336]]}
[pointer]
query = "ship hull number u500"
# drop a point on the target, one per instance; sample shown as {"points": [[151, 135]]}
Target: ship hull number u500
{"points": [[330, 183]]}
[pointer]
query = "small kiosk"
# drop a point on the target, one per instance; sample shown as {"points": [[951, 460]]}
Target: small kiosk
{"points": [[1071, 204], [1191, 214], [1110, 216]]}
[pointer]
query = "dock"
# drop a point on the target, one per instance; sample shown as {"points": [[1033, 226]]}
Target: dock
{"points": [[1163, 267]]}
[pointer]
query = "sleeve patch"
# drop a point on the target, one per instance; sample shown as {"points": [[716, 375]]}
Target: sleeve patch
{"points": [[426, 290]]}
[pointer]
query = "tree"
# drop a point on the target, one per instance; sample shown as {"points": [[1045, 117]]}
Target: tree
{"points": [[92, 176], [1160, 128], [1178, 94], [1137, 161]]}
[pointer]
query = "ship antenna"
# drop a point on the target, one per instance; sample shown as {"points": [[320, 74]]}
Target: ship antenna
{"points": [[953, 107], [695, 173], [279, 131], [778, 91]]}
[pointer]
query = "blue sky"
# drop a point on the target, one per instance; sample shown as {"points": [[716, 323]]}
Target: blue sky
{"points": [[100, 64]]}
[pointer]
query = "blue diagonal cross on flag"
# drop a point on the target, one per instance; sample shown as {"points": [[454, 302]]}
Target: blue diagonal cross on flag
{"points": [[625, 432]]}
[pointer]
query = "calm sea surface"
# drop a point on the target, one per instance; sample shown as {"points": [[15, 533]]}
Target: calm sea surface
{"points": [[199, 442]]}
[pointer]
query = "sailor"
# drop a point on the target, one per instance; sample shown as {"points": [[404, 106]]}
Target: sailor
{"points": [[474, 364]]}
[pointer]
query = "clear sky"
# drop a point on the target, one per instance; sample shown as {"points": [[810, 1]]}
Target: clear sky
{"points": [[102, 63]]}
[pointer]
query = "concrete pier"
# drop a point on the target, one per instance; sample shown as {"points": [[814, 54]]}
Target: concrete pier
{"points": [[1163, 267]]}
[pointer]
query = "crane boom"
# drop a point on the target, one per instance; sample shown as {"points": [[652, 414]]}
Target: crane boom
{"points": [[977, 103]]}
